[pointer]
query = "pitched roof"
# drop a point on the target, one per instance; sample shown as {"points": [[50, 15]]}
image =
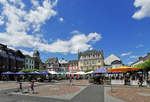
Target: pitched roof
{"points": [[111, 59], [52, 60], [73, 62], [90, 52]]}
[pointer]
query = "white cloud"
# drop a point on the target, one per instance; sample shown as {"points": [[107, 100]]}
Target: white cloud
{"points": [[1, 20], [133, 57], [140, 46], [77, 42], [20, 22], [11, 47], [35, 2], [126, 54], [144, 10], [75, 32], [61, 19], [26, 52], [23, 51], [129, 63]]}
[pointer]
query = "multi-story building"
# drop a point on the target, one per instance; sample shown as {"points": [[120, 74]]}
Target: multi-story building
{"points": [[10, 60], [112, 61], [52, 64], [37, 61], [91, 59], [73, 66], [141, 60], [29, 62], [63, 64]]}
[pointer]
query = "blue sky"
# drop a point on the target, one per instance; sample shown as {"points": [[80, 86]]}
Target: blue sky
{"points": [[59, 28]]}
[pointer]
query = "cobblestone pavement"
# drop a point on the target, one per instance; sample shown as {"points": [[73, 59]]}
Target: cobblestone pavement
{"points": [[91, 93], [14, 84], [109, 98], [78, 82], [130, 94], [80, 91]]}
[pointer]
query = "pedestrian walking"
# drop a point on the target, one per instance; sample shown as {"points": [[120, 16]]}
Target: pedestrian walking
{"points": [[138, 82], [32, 86], [141, 81], [70, 80], [20, 86]]}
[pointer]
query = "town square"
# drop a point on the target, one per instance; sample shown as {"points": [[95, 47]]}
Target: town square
{"points": [[74, 51]]}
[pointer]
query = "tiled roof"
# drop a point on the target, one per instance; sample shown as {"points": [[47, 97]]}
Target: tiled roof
{"points": [[73, 62]]}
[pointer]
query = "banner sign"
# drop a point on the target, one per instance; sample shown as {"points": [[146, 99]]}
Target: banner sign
{"points": [[119, 82]]}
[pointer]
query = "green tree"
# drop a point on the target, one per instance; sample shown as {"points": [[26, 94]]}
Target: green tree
{"points": [[88, 70], [144, 66], [28, 70]]}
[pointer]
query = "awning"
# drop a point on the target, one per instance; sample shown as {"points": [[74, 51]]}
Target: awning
{"points": [[123, 69]]}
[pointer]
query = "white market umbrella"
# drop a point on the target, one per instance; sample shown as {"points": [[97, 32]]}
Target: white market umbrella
{"points": [[81, 73], [90, 72], [52, 72]]}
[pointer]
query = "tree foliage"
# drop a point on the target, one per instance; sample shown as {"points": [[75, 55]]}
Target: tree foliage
{"points": [[28, 70], [88, 70], [144, 66]]}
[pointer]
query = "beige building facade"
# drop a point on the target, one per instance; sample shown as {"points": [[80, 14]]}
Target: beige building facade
{"points": [[91, 59]]}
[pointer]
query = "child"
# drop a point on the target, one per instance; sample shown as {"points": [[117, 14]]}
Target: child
{"points": [[32, 86]]}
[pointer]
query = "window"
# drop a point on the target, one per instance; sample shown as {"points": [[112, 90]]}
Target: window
{"points": [[87, 57], [93, 62], [87, 62], [1, 50], [9, 53], [81, 57], [95, 56], [98, 60]]}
